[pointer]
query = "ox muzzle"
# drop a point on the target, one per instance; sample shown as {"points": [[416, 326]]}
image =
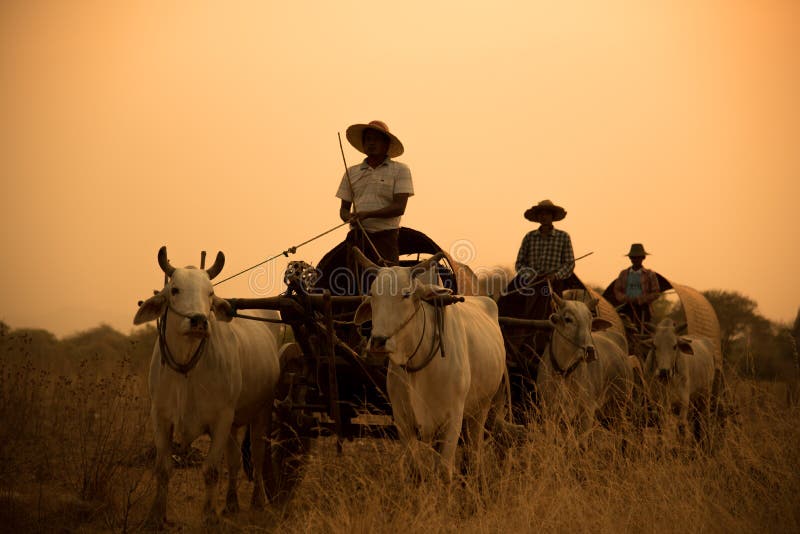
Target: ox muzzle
{"points": [[198, 325]]}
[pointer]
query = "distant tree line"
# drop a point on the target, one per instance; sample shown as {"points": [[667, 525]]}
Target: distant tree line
{"points": [[751, 344], [99, 349]]}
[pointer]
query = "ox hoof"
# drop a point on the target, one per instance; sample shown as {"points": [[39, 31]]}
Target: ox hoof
{"points": [[259, 501], [231, 507], [155, 522], [210, 519]]}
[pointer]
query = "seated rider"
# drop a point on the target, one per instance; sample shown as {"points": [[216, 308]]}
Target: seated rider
{"points": [[635, 289], [545, 260]]}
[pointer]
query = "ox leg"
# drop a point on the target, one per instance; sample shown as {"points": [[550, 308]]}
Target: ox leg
{"points": [[220, 434], [234, 457], [473, 443], [682, 414], [163, 441], [449, 443], [259, 430], [701, 417]]}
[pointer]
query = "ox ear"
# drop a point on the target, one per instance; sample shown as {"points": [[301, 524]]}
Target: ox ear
{"points": [[429, 291], [555, 319], [222, 309], [685, 345], [364, 312], [151, 309], [600, 324]]}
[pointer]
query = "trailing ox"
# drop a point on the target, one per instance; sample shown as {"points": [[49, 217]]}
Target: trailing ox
{"points": [[208, 374], [446, 359], [680, 372], [584, 373]]}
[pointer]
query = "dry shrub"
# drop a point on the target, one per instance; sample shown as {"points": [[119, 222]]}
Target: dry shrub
{"points": [[68, 440]]}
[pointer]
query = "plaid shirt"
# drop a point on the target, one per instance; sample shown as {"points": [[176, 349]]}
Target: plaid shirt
{"points": [[546, 253]]}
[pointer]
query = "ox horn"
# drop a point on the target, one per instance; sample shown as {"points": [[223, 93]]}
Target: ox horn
{"points": [[215, 269], [163, 262], [424, 265], [363, 260]]}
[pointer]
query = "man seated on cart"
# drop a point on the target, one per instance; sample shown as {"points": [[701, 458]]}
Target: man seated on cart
{"points": [[635, 290], [545, 262], [377, 190]]}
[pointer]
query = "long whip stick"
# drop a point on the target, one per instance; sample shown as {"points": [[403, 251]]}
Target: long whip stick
{"points": [[353, 196]]}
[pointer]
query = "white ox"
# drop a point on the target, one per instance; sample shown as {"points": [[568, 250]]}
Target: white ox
{"points": [[208, 374], [446, 362], [680, 372], [584, 373]]}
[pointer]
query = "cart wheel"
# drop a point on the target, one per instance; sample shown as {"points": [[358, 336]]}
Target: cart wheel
{"points": [[289, 447]]}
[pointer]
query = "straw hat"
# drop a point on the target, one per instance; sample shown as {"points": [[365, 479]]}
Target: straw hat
{"points": [[355, 134], [532, 214], [637, 251]]}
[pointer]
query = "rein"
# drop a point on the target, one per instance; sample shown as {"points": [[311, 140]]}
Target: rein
{"points": [[166, 356]]}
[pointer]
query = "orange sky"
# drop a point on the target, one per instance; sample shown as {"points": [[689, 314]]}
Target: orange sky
{"points": [[212, 125]]}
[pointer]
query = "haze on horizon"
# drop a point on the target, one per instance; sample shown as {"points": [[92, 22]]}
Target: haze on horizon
{"points": [[213, 126]]}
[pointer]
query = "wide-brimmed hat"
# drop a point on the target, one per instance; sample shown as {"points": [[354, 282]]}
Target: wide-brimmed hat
{"points": [[532, 214], [637, 251], [355, 134]]}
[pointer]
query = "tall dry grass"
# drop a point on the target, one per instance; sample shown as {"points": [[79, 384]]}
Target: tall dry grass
{"points": [[75, 442], [749, 484]]}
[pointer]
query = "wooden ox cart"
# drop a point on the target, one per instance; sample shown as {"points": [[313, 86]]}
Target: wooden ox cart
{"points": [[331, 386]]}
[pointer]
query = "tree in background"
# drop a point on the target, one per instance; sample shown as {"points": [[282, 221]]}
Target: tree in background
{"points": [[751, 343]]}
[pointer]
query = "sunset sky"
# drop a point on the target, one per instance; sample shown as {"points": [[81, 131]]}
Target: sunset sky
{"points": [[210, 125]]}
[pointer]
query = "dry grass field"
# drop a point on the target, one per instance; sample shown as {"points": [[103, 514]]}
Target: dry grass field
{"points": [[75, 456]]}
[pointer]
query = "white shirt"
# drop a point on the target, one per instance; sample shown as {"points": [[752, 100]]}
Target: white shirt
{"points": [[375, 189]]}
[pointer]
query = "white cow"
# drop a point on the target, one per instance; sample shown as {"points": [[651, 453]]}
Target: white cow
{"points": [[446, 362], [584, 373], [208, 374], [680, 372]]}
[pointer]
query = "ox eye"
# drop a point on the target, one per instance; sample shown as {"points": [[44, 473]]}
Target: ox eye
{"points": [[175, 291], [568, 319]]}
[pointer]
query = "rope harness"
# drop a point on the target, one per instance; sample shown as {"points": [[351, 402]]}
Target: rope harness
{"points": [[436, 346], [166, 355], [565, 373], [438, 317]]}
